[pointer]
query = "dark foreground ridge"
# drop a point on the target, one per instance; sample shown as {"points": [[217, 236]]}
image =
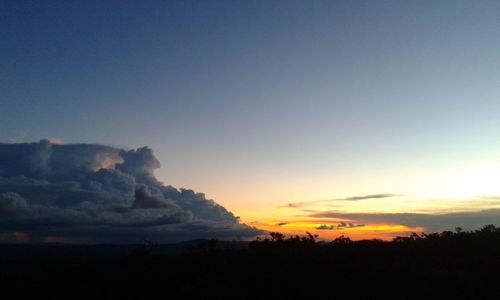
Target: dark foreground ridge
{"points": [[447, 265]]}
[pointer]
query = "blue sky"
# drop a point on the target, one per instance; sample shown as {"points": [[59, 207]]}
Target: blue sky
{"points": [[258, 103]]}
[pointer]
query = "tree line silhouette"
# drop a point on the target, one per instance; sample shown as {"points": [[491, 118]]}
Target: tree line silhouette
{"points": [[447, 265]]}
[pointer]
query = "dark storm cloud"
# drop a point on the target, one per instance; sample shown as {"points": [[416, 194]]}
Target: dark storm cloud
{"points": [[98, 193], [431, 222], [144, 199], [355, 198], [11, 203], [140, 163]]}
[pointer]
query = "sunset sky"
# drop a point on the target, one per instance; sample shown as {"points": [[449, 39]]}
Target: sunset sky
{"points": [[364, 118]]}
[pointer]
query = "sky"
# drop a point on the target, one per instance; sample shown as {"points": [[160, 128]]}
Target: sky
{"points": [[262, 104]]}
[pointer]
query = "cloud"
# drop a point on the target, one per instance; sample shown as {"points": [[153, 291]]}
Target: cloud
{"points": [[144, 199], [281, 224], [11, 203], [431, 222], [355, 198], [376, 196], [101, 194], [325, 227], [140, 163], [339, 226], [343, 225]]}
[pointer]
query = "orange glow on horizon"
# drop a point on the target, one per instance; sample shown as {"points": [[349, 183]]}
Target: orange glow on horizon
{"points": [[21, 237], [370, 231]]}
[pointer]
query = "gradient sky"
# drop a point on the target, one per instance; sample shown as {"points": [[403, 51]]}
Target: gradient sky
{"points": [[263, 103]]}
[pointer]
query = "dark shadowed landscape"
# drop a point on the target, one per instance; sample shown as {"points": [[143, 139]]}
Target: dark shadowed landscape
{"points": [[446, 265]]}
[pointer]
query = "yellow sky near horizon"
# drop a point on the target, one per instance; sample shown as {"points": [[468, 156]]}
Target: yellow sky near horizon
{"points": [[465, 190], [451, 189], [294, 221]]}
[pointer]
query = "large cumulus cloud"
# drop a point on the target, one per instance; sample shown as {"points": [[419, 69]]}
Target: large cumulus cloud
{"points": [[96, 193]]}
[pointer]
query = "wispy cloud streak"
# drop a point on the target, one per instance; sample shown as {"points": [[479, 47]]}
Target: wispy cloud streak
{"points": [[354, 198]]}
